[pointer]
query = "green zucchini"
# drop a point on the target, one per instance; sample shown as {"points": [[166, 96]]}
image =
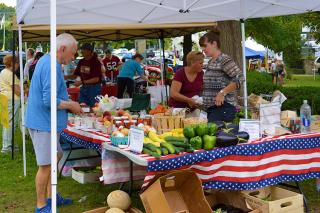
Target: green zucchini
{"points": [[164, 151], [168, 146], [174, 138], [180, 144], [149, 152]]}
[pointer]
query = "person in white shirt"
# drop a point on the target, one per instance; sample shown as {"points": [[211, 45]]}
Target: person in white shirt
{"points": [[273, 70], [30, 55]]}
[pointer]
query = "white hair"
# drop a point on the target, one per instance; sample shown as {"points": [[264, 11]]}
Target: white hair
{"points": [[66, 40]]}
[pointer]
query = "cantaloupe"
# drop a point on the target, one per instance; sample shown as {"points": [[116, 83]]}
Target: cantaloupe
{"points": [[119, 199], [114, 210]]}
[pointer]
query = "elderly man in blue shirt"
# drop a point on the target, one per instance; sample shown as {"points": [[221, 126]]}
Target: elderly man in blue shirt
{"points": [[38, 117]]}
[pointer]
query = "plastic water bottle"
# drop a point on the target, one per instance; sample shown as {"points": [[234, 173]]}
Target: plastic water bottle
{"points": [[305, 117]]}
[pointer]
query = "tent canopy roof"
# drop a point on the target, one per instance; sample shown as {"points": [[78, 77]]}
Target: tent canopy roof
{"points": [[156, 11]]}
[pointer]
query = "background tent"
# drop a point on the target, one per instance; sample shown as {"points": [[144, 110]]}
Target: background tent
{"points": [[253, 54]]}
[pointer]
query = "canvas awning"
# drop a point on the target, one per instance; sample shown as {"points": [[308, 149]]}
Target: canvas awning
{"points": [[112, 32]]}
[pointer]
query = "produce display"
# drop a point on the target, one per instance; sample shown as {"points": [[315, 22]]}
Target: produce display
{"points": [[172, 139]]}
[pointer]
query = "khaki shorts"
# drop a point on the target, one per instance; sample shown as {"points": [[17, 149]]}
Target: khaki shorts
{"points": [[42, 146]]}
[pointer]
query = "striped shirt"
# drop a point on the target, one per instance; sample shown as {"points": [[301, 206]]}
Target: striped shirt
{"points": [[219, 74]]}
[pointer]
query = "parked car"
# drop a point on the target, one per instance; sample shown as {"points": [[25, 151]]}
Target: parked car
{"points": [[4, 53], [317, 64], [153, 70]]}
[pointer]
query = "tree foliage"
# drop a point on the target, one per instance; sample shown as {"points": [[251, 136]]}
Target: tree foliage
{"points": [[281, 34]]}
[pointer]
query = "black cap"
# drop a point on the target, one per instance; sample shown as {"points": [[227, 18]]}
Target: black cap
{"points": [[87, 46]]}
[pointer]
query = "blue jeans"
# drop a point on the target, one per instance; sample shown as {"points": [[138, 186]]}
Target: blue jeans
{"points": [[225, 112], [88, 94]]}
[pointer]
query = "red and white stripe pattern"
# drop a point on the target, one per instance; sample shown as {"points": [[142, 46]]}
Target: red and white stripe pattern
{"points": [[257, 164]]}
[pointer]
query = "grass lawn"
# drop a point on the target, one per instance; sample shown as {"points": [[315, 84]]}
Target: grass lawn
{"points": [[17, 193], [301, 80]]}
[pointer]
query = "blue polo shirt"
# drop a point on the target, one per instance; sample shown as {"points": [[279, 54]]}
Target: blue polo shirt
{"points": [[130, 68], [39, 103]]}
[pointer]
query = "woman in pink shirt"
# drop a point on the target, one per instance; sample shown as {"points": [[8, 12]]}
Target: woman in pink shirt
{"points": [[187, 82]]}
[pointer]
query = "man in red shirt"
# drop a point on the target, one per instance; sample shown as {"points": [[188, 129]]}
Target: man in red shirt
{"points": [[111, 63], [89, 70]]}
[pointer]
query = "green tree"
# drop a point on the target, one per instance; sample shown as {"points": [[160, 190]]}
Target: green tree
{"points": [[9, 13], [281, 34]]}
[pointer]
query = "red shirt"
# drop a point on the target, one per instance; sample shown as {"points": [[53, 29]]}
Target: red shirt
{"points": [[188, 88], [111, 65], [88, 69]]}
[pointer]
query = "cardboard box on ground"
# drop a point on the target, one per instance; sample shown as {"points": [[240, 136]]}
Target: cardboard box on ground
{"points": [[176, 192], [86, 177], [273, 199], [228, 198]]}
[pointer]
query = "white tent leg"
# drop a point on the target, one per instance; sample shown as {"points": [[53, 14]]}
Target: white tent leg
{"points": [[22, 103], [53, 54], [162, 69], [244, 65]]}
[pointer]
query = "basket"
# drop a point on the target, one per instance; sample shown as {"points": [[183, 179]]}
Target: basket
{"points": [[166, 123], [194, 121], [116, 141]]}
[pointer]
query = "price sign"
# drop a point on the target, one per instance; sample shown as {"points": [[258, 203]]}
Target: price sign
{"points": [[136, 137], [252, 127]]}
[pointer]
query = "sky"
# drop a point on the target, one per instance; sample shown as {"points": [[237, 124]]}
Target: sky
{"points": [[11, 3]]}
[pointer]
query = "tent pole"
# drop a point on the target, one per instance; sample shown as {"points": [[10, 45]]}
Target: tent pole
{"points": [[244, 66], [53, 55], [22, 101], [13, 79], [164, 66], [161, 69]]}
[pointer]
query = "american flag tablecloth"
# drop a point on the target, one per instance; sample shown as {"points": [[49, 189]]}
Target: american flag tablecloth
{"points": [[261, 163]]}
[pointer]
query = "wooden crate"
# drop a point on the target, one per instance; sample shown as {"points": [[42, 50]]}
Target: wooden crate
{"points": [[280, 200], [166, 123]]}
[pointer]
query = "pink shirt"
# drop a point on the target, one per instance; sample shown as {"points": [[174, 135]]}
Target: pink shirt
{"points": [[188, 88]]}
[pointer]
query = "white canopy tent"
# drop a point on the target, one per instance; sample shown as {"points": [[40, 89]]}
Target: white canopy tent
{"points": [[33, 13]]}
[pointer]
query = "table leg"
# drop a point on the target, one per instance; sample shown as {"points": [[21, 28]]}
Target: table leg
{"points": [[131, 178], [121, 186], [304, 197]]}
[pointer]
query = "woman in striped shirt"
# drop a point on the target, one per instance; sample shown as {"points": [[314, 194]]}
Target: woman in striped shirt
{"points": [[220, 81]]}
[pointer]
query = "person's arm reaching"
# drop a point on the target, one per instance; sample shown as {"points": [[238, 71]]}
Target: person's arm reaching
{"points": [[176, 95]]}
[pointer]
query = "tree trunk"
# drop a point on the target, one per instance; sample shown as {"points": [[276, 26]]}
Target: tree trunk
{"points": [[187, 47], [230, 36]]}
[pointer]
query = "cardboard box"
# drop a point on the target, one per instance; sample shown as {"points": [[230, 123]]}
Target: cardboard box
{"points": [[229, 198], [176, 192], [104, 209], [85, 177], [274, 200]]}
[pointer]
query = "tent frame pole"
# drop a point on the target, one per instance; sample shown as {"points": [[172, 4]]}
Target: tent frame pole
{"points": [[13, 83], [244, 67], [53, 74], [22, 101], [164, 71]]}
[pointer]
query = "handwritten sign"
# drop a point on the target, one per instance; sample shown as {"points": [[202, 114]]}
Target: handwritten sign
{"points": [[252, 127], [136, 137]]}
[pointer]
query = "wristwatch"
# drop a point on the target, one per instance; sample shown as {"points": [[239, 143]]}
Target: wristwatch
{"points": [[222, 92]]}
